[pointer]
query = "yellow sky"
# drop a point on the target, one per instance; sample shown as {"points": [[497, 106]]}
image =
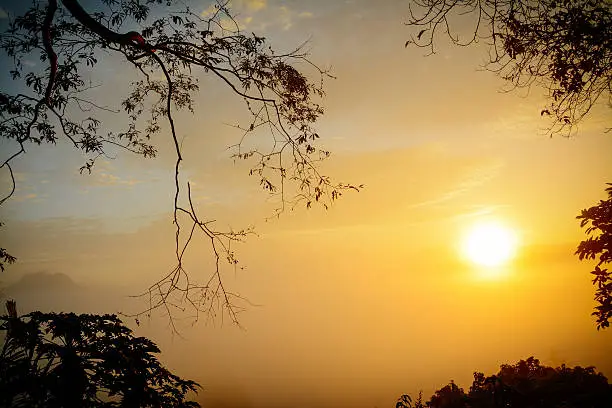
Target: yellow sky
{"points": [[370, 299]]}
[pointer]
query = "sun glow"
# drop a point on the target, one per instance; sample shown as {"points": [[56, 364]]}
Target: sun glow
{"points": [[489, 244]]}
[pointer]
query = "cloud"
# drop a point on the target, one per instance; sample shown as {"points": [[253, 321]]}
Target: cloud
{"points": [[253, 5], [229, 24], [107, 179], [286, 19], [238, 10], [236, 6], [287, 16], [475, 178], [209, 11], [26, 197], [104, 174]]}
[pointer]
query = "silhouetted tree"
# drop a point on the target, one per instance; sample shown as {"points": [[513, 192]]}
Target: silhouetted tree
{"points": [[405, 401], [563, 45], [449, 396], [598, 223], [528, 384], [66, 360], [50, 102]]}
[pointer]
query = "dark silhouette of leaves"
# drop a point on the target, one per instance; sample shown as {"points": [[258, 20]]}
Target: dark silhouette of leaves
{"points": [[68, 360], [563, 45], [528, 384], [597, 222], [405, 401], [5, 257], [450, 396]]}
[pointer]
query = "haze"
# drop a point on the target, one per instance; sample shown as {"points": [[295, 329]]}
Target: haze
{"points": [[371, 299]]}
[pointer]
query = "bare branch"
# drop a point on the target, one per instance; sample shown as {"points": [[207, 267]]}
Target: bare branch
{"points": [[280, 98]]}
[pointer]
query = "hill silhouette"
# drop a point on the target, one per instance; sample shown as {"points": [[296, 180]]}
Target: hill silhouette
{"points": [[46, 292], [42, 281]]}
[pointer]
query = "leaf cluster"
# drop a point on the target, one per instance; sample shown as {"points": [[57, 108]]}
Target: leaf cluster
{"points": [[69, 360], [563, 45], [525, 384], [597, 221], [5, 257]]}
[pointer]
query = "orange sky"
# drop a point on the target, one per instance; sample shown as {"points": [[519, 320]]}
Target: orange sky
{"points": [[370, 299]]}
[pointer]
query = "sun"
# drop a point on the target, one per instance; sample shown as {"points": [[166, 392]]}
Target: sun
{"points": [[489, 244]]}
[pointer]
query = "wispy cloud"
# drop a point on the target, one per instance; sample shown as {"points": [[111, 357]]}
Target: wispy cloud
{"points": [[252, 5], [245, 12], [285, 17], [108, 179], [208, 11], [236, 6], [288, 16], [478, 177], [104, 174], [26, 197], [241, 10]]}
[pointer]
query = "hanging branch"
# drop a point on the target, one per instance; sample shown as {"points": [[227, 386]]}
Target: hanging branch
{"points": [[278, 96], [564, 46]]}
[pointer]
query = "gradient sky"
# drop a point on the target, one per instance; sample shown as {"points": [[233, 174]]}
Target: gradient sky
{"points": [[370, 299]]}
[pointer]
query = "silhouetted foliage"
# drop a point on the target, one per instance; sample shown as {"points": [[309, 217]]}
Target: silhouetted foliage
{"points": [[5, 257], [528, 384], [563, 45], [66, 360], [50, 102], [449, 396], [598, 223], [405, 401]]}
